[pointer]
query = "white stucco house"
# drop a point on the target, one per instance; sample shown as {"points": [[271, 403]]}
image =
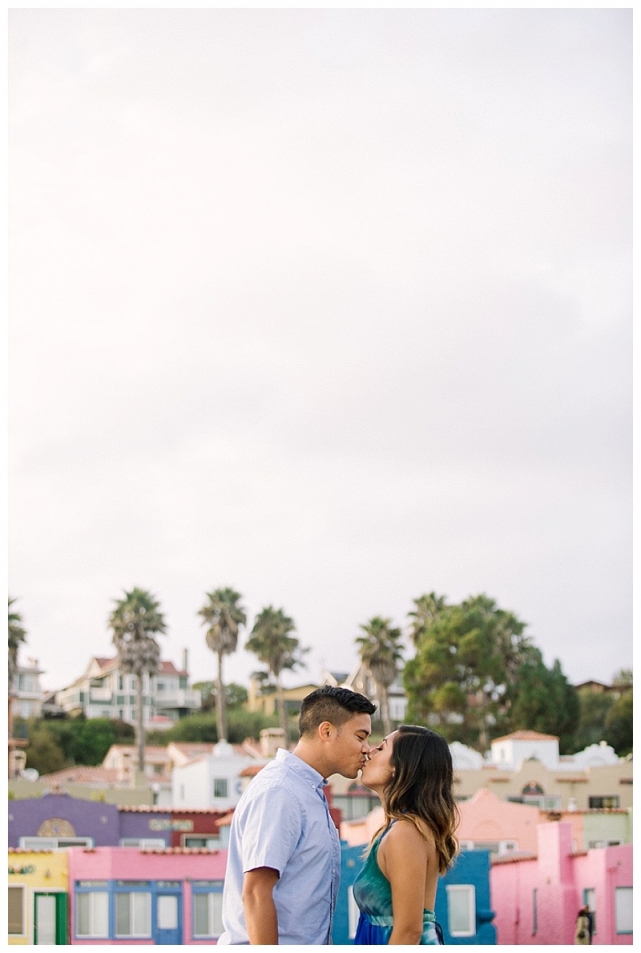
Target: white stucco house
{"points": [[213, 780]]}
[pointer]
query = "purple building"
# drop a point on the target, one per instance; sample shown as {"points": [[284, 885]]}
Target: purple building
{"points": [[59, 820]]}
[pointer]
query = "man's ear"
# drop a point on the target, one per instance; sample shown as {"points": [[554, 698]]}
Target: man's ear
{"points": [[326, 731]]}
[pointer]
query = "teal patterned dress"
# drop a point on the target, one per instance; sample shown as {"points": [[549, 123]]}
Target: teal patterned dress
{"points": [[373, 895]]}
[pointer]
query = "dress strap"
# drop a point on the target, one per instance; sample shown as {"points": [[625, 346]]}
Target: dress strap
{"points": [[387, 829]]}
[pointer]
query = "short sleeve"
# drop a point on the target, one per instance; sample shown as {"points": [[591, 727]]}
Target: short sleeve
{"points": [[271, 828]]}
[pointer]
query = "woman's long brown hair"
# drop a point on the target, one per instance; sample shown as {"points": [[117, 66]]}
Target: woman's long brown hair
{"points": [[420, 789]]}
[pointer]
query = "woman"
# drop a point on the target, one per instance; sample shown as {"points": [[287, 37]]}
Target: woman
{"points": [[411, 771]]}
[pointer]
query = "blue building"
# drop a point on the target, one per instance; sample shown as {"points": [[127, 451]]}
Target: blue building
{"points": [[463, 905]]}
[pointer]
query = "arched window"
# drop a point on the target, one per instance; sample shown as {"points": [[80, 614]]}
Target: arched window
{"points": [[532, 788]]}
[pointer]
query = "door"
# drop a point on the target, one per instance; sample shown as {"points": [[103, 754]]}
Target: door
{"points": [[49, 919], [168, 919]]}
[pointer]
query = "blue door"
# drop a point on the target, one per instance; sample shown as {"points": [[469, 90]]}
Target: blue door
{"points": [[168, 917]]}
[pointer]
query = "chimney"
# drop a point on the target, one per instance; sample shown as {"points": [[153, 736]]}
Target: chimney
{"points": [[185, 657]]}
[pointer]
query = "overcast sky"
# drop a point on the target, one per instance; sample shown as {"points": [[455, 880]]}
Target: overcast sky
{"points": [[331, 306]]}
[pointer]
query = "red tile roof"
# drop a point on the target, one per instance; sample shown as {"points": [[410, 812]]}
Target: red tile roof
{"points": [[526, 736], [166, 668], [251, 771], [156, 809], [82, 774], [177, 850], [21, 850]]}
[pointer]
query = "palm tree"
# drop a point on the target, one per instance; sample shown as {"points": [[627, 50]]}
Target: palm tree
{"points": [[223, 615], [380, 651], [427, 609], [277, 649], [17, 636], [135, 622]]}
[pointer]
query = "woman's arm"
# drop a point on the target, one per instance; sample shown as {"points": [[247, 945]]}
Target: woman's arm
{"points": [[403, 858]]}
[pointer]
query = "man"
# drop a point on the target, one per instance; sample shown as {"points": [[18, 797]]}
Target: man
{"points": [[284, 858]]}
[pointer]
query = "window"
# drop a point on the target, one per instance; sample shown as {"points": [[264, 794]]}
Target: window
{"points": [[208, 901], [54, 843], [546, 802], [602, 843], [353, 914], [609, 801], [133, 913], [220, 787], [16, 910], [461, 909], [589, 900], [92, 912], [623, 909], [144, 843], [535, 912], [205, 842]]}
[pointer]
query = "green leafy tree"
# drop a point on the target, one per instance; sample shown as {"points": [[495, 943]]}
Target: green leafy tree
{"points": [[271, 640], [619, 725], [45, 753], [542, 699], [622, 678], [593, 712], [135, 622], [380, 651], [235, 695], [87, 740], [223, 615], [202, 727], [467, 657]]}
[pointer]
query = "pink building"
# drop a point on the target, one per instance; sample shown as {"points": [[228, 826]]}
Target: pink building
{"points": [[129, 896], [536, 899]]}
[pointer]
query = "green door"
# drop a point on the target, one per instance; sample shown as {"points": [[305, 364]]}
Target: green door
{"points": [[49, 918]]}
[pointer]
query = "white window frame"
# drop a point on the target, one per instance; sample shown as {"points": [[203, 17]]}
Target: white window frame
{"points": [[216, 781], [23, 888], [53, 843], [144, 843], [130, 894], [211, 914], [621, 895], [211, 841], [470, 889], [91, 894]]}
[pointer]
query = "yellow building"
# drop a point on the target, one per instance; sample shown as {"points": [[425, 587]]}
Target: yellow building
{"points": [[268, 704], [38, 897]]}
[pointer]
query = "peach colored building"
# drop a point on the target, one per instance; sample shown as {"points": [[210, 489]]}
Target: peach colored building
{"points": [[488, 822]]}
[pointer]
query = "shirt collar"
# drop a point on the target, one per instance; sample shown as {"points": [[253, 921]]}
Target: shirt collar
{"points": [[304, 771]]}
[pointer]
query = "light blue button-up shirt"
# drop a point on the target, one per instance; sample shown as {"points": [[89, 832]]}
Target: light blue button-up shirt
{"points": [[283, 821]]}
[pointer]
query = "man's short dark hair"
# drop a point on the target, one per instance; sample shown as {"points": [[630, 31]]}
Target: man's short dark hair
{"points": [[336, 705]]}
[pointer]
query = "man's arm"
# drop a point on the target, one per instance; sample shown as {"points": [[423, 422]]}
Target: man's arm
{"points": [[260, 910]]}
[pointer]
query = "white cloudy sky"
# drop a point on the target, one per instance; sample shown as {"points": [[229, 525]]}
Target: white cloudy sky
{"points": [[332, 306]]}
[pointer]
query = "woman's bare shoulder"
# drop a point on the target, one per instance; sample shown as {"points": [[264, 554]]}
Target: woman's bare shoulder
{"points": [[409, 834]]}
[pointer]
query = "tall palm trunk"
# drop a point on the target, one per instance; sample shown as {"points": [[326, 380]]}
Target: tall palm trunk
{"points": [[221, 713], [384, 697], [140, 726]]}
